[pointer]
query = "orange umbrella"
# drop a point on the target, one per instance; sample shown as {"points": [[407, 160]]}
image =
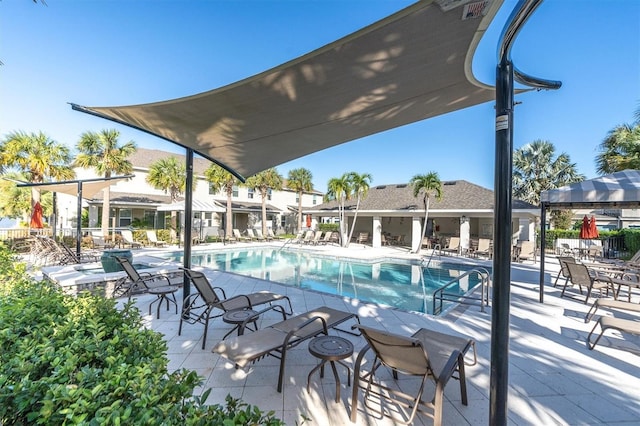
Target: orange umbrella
{"points": [[584, 230], [593, 229], [36, 216]]}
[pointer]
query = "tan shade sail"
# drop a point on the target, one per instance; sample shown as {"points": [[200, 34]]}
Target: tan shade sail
{"points": [[90, 187], [410, 66], [196, 206]]}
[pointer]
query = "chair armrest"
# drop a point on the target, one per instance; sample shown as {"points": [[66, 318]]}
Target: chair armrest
{"points": [[224, 295], [450, 367], [234, 298], [255, 316]]}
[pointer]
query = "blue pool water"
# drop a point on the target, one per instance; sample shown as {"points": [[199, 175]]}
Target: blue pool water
{"points": [[405, 286]]}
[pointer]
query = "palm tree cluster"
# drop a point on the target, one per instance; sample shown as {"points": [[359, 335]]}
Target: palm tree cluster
{"points": [[342, 189], [620, 150]]}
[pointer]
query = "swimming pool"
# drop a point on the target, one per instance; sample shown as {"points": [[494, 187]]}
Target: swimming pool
{"points": [[404, 285]]}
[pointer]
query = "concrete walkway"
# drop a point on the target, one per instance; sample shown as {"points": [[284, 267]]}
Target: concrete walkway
{"points": [[554, 378]]}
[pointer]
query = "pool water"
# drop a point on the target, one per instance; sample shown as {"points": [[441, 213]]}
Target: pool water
{"points": [[405, 286]]}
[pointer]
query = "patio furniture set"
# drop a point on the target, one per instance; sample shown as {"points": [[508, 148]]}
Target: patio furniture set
{"points": [[425, 354]]}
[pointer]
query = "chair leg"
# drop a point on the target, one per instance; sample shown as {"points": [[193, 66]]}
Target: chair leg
{"points": [[462, 379], [591, 345], [590, 314]]}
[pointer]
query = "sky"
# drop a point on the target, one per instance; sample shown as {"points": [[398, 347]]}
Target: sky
{"points": [[119, 52]]}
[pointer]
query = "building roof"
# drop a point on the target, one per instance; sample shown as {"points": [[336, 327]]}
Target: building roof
{"points": [[143, 158], [457, 195], [131, 198]]}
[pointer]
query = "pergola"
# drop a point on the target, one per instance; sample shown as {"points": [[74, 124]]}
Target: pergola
{"points": [[410, 66], [616, 190]]}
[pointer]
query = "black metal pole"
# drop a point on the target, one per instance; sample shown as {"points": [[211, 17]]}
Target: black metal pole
{"points": [[188, 219], [502, 246], [79, 220], [543, 240], [54, 220]]}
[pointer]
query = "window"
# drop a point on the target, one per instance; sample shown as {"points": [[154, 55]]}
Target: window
{"points": [[315, 199], [149, 218], [250, 193], [297, 198], [124, 217], [212, 190], [235, 191], [269, 194]]}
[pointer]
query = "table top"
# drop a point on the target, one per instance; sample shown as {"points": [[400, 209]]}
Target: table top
{"points": [[330, 347], [238, 316]]}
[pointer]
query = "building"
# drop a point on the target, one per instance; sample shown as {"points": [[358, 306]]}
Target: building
{"points": [[135, 203], [465, 210]]}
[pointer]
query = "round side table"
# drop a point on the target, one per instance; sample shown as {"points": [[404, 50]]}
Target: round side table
{"points": [[331, 349], [237, 317]]}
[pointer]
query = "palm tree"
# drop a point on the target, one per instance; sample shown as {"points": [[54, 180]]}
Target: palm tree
{"points": [[360, 188], [102, 152], [169, 175], [339, 189], [38, 156], [221, 180], [425, 185], [300, 180], [263, 182], [535, 169], [620, 150]]}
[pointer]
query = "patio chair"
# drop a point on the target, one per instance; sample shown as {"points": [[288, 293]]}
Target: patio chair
{"points": [[98, 242], [239, 237], [363, 238], [256, 235], [526, 251], [308, 236], [426, 354], [71, 256], [127, 238], [579, 275], [611, 304], [139, 282], [610, 322], [564, 270], [200, 307], [327, 238], [273, 236], [453, 246], [316, 238], [260, 236], [278, 338], [153, 239], [484, 248]]}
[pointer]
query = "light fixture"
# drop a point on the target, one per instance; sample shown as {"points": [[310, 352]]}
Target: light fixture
{"points": [[463, 219]]}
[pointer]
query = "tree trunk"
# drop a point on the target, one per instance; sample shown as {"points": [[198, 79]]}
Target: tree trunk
{"points": [[353, 225], [173, 229], [424, 226], [299, 212], [264, 213], [106, 201], [228, 226]]}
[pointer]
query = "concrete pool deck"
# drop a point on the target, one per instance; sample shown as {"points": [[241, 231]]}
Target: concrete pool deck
{"points": [[554, 378]]}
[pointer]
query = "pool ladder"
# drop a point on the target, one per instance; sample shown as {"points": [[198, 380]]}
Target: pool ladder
{"points": [[441, 295]]}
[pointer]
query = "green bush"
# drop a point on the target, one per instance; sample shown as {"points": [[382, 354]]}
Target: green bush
{"points": [[328, 227], [79, 360]]}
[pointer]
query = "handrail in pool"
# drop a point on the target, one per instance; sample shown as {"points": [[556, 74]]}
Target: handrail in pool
{"points": [[440, 295]]}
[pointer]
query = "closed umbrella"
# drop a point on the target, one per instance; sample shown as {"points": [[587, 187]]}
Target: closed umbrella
{"points": [[36, 216], [584, 230], [593, 229]]}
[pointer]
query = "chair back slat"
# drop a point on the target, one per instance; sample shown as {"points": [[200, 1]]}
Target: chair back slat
{"points": [[202, 284], [404, 354], [579, 273], [128, 268]]}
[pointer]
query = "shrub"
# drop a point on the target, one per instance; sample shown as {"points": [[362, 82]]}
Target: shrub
{"points": [[80, 360], [328, 227]]}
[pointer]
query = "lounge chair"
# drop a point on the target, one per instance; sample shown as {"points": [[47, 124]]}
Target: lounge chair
{"points": [[579, 275], [363, 238], [605, 323], [611, 304], [308, 237], [278, 338], [98, 242], [153, 239], [484, 248], [327, 238], [260, 236], [127, 238], [199, 307], [564, 270], [271, 235], [253, 233], [316, 238], [453, 246], [526, 250], [239, 237], [145, 282], [427, 354]]}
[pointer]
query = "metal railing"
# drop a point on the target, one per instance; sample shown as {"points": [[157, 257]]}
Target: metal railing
{"points": [[441, 295]]}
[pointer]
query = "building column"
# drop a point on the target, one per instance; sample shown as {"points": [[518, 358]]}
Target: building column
{"points": [[416, 234], [465, 234], [525, 229], [376, 239]]}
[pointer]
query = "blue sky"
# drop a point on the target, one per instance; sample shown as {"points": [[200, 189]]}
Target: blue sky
{"points": [[102, 53]]}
